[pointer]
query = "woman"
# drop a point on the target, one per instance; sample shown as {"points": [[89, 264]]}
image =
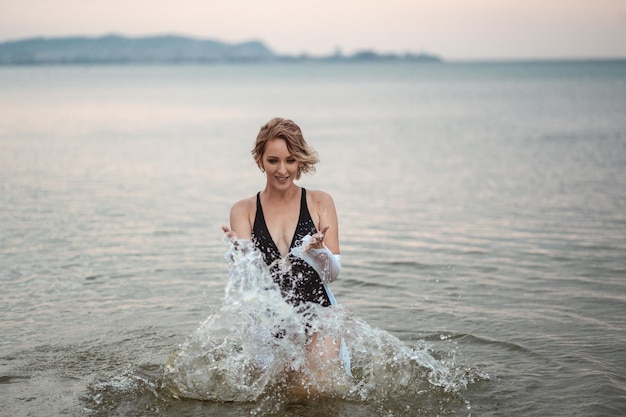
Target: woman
{"points": [[282, 216]]}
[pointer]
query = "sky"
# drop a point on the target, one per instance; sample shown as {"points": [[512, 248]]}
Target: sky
{"points": [[452, 29]]}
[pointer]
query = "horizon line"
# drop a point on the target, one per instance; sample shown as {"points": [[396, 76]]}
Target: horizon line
{"points": [[503, 59]]}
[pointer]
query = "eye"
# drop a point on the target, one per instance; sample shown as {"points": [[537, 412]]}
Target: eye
{"points": [[291, 160], [272, 160]]}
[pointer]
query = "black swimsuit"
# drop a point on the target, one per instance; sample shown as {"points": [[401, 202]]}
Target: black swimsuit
{"points": [[299, 283]]}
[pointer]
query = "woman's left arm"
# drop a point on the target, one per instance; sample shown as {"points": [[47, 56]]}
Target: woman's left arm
{"points": [[328, 222], [322, 250]]}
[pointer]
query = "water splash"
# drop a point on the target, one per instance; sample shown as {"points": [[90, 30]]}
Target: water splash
{"points": [[257, 346]]}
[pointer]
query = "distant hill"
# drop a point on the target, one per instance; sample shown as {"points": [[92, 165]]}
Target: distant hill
{"points": [[118, 49], [159, 49]]}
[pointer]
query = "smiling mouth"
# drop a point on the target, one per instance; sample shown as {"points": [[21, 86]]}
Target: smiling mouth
{"points": [[282, 178]]}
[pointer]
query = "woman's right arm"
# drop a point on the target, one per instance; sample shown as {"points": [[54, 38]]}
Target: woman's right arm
{"points": [[240, 224]]}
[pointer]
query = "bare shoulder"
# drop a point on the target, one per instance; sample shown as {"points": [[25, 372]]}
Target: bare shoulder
{"points": [[245, 205], [322, 207], [324, 214], [242, 216], [320, 198]]}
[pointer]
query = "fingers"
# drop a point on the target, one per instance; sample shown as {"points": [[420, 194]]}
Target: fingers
{"points": [[320, 235], [317, 240], [229, 233]]}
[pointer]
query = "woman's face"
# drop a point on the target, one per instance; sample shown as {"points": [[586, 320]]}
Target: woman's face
{"points": [[279, 165]]}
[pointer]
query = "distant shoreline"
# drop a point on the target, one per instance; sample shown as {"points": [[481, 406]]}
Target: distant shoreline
{"points": [[169, 49], [183, 50]]}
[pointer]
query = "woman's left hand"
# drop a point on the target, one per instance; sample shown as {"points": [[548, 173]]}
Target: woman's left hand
{"points": [[317, 240]]}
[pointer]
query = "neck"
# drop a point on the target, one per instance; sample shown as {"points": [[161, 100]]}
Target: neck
{"points": [[288, 193]]}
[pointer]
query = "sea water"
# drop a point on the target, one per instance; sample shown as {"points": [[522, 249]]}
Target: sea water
{"points": [[482, 224], [247, 350]]}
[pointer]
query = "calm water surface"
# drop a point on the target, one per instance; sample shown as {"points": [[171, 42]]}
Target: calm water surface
{"points": [[482, 214]]}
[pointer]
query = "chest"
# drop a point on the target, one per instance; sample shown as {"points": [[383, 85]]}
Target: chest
{"points": [[287, 223], [282, 226]]}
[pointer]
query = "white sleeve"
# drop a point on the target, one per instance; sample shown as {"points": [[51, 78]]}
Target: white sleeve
{"points": [[325, 263]]}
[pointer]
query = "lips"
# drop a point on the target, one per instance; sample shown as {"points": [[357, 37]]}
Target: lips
{"points": [[282, 179]]}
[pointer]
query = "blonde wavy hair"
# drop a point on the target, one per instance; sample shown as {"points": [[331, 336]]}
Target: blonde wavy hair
{"points": [[285, 129]]}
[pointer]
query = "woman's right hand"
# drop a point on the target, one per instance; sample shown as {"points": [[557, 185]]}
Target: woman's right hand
{"points": [[229, 233]]}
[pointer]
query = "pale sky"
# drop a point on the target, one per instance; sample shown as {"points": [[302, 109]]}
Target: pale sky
{"points": [[453, 29]]}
